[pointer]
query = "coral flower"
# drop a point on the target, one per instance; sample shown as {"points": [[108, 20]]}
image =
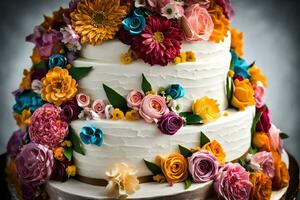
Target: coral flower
{"points": [[207, 109], [98, 20]]}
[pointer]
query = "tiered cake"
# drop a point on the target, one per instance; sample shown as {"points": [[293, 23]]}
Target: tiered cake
{"points": [[143, 100]]}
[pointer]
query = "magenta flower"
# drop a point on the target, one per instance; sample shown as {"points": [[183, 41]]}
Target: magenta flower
{"points": [[170, 123], [227, 8], [264, 123], [15, 143], [265, 161], [70, 111]]}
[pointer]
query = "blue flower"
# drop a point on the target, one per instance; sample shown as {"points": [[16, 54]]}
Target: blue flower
{"points": [[136, 23], [27, 100], [91, 135], [240, 66], [176, 91], [57, 60]]}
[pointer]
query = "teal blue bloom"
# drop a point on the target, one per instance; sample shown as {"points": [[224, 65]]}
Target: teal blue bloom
{"points": [[57, 60], [240, 66], [176, 91], [136, 23], [91, 135], [27, 100]]}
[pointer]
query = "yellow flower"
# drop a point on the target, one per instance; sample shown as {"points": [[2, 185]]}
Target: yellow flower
{"points": [[237, 42], [71, 170], [127, 58], [98, 20], [177, 60], [151, 92], [117, 114], [221, 24], [66, 143], [26, 81], [58, 86], [132, 115], [159, 178], [58, 153], [257, 75], [190, 56], [121, 181], [261, 141], [183, 56], [216, 149], [243, 94], [23, 119], [36, 58], [174, 167], [207, 109]]}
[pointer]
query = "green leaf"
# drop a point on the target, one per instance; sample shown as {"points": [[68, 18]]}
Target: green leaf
{"points": [[43, 64], [231, 67], [255, 121], [146, 86], [185, 151], [284, 136], [242, 162], [203, 139], [188, 183], [191, 118], [252, 64], [68, 152], [253, 150], [155, 169], [229, 89], [115, 99], [79, 72], [76, 144]]}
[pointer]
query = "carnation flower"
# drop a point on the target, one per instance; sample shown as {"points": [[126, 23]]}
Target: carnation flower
{"points": [[170, 123], [15, 143], [160, 42], [237, 43], [47, 126], [70, 38], [262, 186], [221, 23], [257, 76], [134, 99], [265, 161]]}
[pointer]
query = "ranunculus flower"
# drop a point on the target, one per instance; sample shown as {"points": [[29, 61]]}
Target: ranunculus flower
{"points": [[282, 177], [264, 123], [135, 24], [134, 99], [170, 123], [196, 23], [275, 140], [70, 110], [91, 135], [243, 94], [98, 107], [83, 100], [15, 143], [203, 167], [174, 167], [152, 108], [262, 186], [259, 91], [47, 126], [233, 182], [265, 161], [216, 149], [176, 91], [57, 60], [34, 164]]}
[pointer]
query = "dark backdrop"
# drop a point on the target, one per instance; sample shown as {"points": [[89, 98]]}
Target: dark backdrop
{"points": [[271, 32]]}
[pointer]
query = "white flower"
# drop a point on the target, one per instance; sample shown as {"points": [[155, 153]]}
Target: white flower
{"points": [[173, 10], [36, 86], [108, 111]]}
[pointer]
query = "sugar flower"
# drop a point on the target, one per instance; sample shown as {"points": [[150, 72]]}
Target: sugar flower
{"points": [[243, 94], [262, 186], [237, 43], [264, 122], [58, 86], [134, 99], [26, 81], [170, 123], [34, 164], [203, 3], [259, 91], [15, 143], [108, 111], [216, 149], [135, 24], [70, 111], [57, 60], [36, 86], [176, 91], [257, 75], [23, 119], [275, 140], [58, 153], [261, 141], [70, 38], [59, 171], [173, 10], [233, 182], [71, 170], [221, 23], [47, 126], [240, 66], [98, 107], [197, 23], [117, 114], [282, 177], [91, 135], [83, 100], [160, 42], [27, 100], [97, 21], [122, 181], [132, 115], [88, 114], [227, 8], [152, 108], [265, 161], [207, 109]]}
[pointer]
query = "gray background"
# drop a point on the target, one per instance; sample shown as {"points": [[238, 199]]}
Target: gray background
{"points": [[271, 32]]}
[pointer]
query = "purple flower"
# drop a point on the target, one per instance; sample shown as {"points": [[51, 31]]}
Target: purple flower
{"points": [[227, 8], [70, 38], [59, 171], [170, 123], [203, 167], [70, 111], [47, 41], [34, 164], [39, 73], [15, 143]]}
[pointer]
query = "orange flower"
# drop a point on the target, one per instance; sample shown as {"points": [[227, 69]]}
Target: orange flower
{"points": [[282, 177], [262, 186], [261, 141], [36, 57], [216, 149], [132, 115], [58, 153], [207, 109], [257, 75], [26, 81], [57, 18], [237, 42], [23, 119], [58, 86], [174, 167], [243, 94]]}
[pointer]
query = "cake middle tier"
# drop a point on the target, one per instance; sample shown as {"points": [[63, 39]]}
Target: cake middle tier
{"points": [[131, 142]]}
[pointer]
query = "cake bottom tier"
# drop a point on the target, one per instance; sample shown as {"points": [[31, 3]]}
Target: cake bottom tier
{"points": [[76, 190]]}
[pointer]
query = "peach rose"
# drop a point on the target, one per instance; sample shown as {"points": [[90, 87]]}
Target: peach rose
{"points": [[99, 107], [262, 186], [83, 100], [282, 176], [243, 94], [134, 99], [197, 23], [216, 149], [261, 141]]}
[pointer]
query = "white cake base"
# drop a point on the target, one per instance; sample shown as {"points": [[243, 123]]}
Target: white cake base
{"points": [[75, 190]]}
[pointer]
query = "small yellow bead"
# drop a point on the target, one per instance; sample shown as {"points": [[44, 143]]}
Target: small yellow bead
{"points": [[177, 60], [66, 143], [69, 66], [231, 73], [226, 113]]}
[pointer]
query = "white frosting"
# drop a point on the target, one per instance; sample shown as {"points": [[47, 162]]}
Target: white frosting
{"points": [[131, 142], [206, 77]]}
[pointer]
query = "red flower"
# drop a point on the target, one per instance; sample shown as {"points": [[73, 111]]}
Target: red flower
{"points": [[160, 42], [264, 123]]}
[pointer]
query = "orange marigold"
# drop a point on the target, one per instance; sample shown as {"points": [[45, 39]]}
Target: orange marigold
{"points": [[257, 75], [237, 43], [262, 186]]}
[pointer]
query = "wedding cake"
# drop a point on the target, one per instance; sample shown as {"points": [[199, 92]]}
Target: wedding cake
{"points": [[144, 99]]}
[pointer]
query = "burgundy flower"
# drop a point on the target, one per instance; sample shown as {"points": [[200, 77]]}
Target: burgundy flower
{"points": [[160, 42], [70, 111], [170, 123], [39, 73], [30, 193], [227, 8], [239, 77], [125, 37], [15, 143], [264, 123], [59, 171]]}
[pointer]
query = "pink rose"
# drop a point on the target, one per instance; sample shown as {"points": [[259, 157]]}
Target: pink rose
{"points": [[233, 182], [197, 23], [83, 100], [259, 95], [276, 141], [265, 161], [203, 3], [134, 99], [153, 107], [99, 107]]}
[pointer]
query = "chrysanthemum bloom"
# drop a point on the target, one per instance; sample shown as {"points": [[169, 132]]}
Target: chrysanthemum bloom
{"points": [[160, 42], [58, 86], [98, 20]]}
